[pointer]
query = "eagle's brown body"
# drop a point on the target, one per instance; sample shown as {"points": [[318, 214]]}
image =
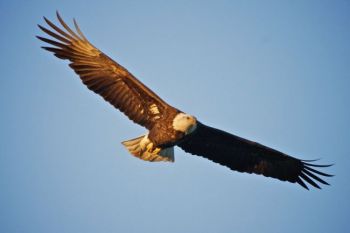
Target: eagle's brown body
{"points": [[163, 134]]}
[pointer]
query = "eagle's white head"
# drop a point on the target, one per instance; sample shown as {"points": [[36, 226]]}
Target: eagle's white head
{"points": [[184, 123]]}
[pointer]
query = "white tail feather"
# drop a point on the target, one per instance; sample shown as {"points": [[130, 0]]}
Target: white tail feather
{"points": [[142, 148]]}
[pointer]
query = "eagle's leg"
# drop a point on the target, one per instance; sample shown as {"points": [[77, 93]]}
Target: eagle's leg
{"points": [[142, 147]]}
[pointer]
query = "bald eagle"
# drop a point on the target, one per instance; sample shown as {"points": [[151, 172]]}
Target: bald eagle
{"points": [[167, 126]]}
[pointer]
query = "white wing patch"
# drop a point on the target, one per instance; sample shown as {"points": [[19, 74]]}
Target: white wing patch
{"points": [[154, 109]]}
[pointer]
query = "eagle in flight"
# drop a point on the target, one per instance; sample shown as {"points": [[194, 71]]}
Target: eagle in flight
{"points": [[167, 126]]}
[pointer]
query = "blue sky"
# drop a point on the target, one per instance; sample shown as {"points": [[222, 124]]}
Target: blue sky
{"points": [[276, 72]]}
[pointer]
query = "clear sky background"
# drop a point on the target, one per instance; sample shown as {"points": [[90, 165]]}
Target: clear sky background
{"points": [[276, 72]]}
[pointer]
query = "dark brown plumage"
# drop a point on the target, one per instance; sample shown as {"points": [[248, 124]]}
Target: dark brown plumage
{"points": [[103, 75], [242, 155], [168, 126]]}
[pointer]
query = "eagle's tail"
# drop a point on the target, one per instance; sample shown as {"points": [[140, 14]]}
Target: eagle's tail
{"points": [[142, 148]]}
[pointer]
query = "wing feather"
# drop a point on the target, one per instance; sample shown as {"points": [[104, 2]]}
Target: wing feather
{"points": [[103, 75], [243, 155]]}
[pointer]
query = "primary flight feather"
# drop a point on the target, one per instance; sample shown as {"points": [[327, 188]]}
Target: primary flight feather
{"points": [[168, 126]]}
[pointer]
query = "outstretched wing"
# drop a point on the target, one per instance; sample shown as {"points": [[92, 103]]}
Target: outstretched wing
{"points": [[103, 75], [243, 155]]}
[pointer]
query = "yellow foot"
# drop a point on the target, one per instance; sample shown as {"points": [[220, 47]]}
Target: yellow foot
{"points": [[156, 151], [149, 147]]}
